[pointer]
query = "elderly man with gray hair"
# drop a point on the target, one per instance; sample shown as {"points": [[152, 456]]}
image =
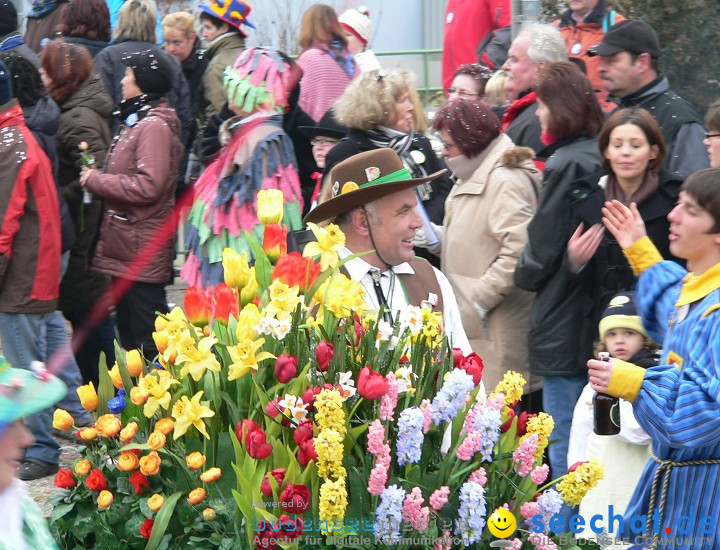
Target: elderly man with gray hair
{"points": [[533, 48]]}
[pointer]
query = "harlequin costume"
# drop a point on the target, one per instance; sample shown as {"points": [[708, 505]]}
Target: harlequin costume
{"points": [[678, 402], [257, 155]]}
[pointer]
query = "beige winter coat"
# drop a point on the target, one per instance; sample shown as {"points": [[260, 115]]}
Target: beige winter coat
{"points": [[485, 231]]}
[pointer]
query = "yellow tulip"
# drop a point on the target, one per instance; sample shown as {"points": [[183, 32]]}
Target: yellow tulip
{"points": [[88, 397], [88, 434], [270, 206], [116, 377], [250, 290], [235, 267], [134, 362], [62, 420]]}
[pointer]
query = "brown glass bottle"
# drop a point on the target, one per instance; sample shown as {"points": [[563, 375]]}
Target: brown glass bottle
{"points": [[606, 410]]}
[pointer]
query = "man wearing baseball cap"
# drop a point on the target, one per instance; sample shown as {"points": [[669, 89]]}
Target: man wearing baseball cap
{"points": [[628, 68], [390, 274]]}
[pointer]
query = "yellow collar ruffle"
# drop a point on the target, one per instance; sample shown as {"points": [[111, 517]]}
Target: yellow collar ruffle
{"points": [[696, 287]]}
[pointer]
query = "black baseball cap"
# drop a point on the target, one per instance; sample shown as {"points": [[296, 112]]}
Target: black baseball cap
{"points": [[632, 35]]}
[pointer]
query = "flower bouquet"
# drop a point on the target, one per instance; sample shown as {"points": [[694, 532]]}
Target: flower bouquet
{"points": [[281, 413]]}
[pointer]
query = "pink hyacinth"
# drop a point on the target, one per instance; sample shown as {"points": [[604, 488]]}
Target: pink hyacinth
{"points": [[496, 401], [378, 479], [479, 476], [516, 544], [376, 438], [540, 474], [439, 498], [414, 511], [530, 509], [426, 409], [524, 455], [388, 402], [469, 423], [469, 446]]}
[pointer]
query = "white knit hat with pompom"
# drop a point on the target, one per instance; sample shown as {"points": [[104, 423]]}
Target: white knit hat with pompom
{"points": [[357, 21]]}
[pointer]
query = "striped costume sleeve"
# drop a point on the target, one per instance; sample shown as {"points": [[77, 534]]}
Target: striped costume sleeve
{"points": [[657, 291], [681, 407]]}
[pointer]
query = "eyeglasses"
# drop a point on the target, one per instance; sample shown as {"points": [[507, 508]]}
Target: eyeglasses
{"points": [[709, 135], [461, 93], [315, 142]]}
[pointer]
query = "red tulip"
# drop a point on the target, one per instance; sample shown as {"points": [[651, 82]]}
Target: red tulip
{"points": [[275, 241], [291, 527], [576, 466], [371, 385], [198, 306], [457, 357], [473, 365], [255, 439], [146, 528], [139, 482], [267, 535], [266, 488], [309, 396], [506, 425], [324, 352], [303, 432], [65, 479], [286, 368], [295, 499], [306, 452], [294, 270], [273, 411], [226, 303], [522, 423], [359, 330], [96, 481]]}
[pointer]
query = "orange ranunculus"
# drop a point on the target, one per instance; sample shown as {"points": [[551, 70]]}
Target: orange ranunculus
{"points": [[210, 475], [165, 425], [108, 425], [88, 434], [150, 464], [127, 461], [156, 440], [195, 460], [198, 306], [156, 502], [209, 514], [128, 432], [294, 270], [226, 303], [83, 467], [275, 241], [134, 362], [139, 396], [196, 496], [105, 499]]}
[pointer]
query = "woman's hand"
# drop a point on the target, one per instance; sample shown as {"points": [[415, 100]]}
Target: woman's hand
{"points": [[625, 224], [600, 373], [582, 246], [84, 175]]}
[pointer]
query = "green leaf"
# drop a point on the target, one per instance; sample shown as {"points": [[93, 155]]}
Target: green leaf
{"points": [[122, 367], [106, 390], [161, 521], [263, 267], [60, 510]]}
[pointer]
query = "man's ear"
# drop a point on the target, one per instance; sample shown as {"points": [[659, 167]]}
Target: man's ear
{"points": [[360, 221]]}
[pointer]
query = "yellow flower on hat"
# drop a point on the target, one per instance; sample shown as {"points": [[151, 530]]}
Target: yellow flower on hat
{"points": [[329, 241], [349, 187]]}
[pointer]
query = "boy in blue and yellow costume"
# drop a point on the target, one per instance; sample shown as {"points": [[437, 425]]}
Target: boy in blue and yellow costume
{"points": [[678, 402]]}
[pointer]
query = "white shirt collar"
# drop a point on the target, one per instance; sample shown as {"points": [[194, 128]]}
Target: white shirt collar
{"points": [[357, 268]]}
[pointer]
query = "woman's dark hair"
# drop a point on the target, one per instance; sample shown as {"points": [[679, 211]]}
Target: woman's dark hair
{"points": [[471, 124], [642, 119], [704, 187], [479, 73], [570, 100], [67, 66], [86, 19], [27, 85]]}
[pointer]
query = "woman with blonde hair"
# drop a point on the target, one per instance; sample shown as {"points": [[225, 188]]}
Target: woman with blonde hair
{"points": [[182, 42], [328, 66]]}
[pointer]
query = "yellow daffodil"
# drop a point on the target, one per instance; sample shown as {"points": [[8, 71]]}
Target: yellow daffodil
{"points": [[196, 360], [283, 300], [177, 341], [329, 241], [235, 268], [248, 320], [177, 314], [341, 296], [157, 385], [244, 359], [190, 412], [270, 206]]}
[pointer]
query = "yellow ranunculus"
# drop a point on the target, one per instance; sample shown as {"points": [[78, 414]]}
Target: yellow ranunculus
{"points": [[195, 460], [150, 464], [157, 385], [88, 434], [62, 420], [248, 320], [88, 397], [138, 396], [108, 425], [329, 241], [210, 475], [156, 502], [209, 514], [190, 412], [105, 499], [127, 461], [270, 206], [128, 432], [134, 362], [235, 268], [249, 292], [115, 376], [196, 496], [156, 440], [196, 360], [83, 467], [165, 425], [244, 359]]}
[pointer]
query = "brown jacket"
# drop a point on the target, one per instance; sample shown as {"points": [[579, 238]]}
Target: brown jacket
{"points": [[39, 28], [485, 231], [138, 185]]}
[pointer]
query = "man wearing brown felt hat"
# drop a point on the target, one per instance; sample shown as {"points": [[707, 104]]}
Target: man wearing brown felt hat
{"points": [[374, 203]]}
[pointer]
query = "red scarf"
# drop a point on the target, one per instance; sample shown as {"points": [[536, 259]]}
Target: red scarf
{"points": [[517, 106], [317, 176]]}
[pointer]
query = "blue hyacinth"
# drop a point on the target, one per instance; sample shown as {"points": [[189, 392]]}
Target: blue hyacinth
{"points": [[452, 396], [471, 514], [410, 436], [388, 515], [488, 422]]}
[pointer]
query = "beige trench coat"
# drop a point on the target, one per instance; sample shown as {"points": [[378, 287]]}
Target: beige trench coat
{"points": [[485, 231]]}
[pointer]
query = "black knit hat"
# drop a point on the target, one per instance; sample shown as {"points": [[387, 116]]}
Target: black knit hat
{"points": [[153, 71], [8, 17], [621, 313]]}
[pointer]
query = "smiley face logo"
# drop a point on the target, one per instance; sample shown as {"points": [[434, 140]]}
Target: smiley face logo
{"points": [[501, 523]]}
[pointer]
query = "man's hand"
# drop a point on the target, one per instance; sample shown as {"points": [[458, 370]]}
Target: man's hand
{"points": [[582, 246], [84, 175], [600, 373], [625, 224], [421, 240]]}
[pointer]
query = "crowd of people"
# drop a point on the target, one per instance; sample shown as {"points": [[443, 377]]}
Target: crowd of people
{"points": [[564, 197]]}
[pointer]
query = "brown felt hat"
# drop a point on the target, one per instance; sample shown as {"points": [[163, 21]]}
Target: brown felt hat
{"points": [[364, 178]]}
